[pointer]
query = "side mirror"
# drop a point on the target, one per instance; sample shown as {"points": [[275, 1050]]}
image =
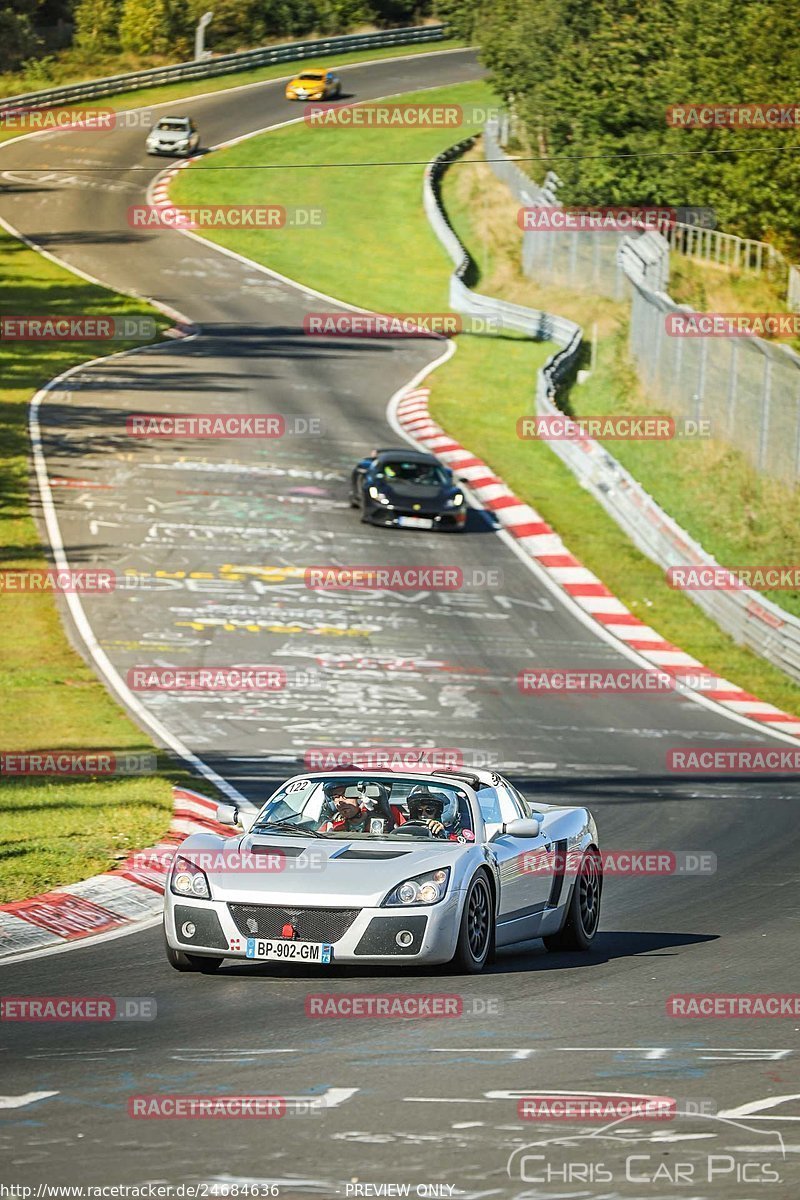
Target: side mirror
{"points": [[523, 827], [246, 820], [228, 814]]}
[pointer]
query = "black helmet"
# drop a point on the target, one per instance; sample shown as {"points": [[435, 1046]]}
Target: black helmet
{"points": [[420, 796], [333, 785]]}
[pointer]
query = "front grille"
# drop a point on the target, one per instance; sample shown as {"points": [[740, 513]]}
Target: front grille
{"points": [[312, 924]]}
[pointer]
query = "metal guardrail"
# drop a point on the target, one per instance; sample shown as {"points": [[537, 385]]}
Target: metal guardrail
{"points": [[793, 290], [727, 249], [225, 64], [747, 616], [542, 326]]}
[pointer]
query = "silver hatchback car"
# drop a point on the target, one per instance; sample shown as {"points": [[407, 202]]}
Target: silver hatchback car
{"points": [[173, 135]]}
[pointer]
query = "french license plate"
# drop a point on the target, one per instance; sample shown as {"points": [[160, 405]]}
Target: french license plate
{"points": [[288, 950], [415, 522]]}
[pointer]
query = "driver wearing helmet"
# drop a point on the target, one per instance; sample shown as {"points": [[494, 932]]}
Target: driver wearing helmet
{"points": [[428, 808], [344, 813]]}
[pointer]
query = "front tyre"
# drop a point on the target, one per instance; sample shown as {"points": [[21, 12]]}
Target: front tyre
{"points": [[180, 961], [476, 933], [583, 915]]}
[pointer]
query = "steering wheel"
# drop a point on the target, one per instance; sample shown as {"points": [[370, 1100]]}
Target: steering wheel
{"points": [[415, 827]]}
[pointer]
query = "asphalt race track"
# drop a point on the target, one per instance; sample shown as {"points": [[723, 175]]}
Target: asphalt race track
{"points": [[421, 1103]]}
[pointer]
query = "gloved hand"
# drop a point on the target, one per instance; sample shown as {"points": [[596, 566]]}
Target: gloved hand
{"points": [[436, 827]]}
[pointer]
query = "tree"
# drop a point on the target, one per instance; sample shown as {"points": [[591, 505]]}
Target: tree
{"points": [[97, 26], [156, 27], [18, 40]]}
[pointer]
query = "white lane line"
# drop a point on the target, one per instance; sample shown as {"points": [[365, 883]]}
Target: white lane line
{"points": [[23, 1100]]}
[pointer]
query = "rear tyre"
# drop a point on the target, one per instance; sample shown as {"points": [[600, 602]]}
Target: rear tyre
{"points": [[180, 961], [583, 915], [476, 933]]}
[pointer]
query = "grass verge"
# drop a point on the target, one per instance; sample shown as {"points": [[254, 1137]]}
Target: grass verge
{"points": [[712, 287], [56, 831], [352, 175]]}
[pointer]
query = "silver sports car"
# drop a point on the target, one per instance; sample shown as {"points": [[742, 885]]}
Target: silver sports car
{"points": [[385, 867]]}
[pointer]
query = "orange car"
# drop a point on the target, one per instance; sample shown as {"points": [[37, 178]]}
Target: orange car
{"points": [[314, 84]]}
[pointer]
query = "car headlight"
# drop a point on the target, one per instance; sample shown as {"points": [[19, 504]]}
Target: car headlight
{"points": [[188, 880], [421, 889], [456, 501], [378, 495]]}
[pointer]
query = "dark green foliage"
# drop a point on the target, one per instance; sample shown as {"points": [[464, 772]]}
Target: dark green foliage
{"points": [[591, 84], [18, 39]]}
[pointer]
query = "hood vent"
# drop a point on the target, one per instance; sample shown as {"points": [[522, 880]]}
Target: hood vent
{"points": [[371, 855], [285, 851]]}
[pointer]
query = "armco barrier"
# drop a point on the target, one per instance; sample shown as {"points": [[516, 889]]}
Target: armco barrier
{"points": [[225, 64], [542, 326], [751, 619]]}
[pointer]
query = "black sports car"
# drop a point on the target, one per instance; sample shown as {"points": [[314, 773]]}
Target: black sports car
{"points": [[409, 489]]}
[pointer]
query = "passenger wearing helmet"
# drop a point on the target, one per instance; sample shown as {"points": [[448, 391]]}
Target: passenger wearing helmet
{"points": [[344, 813]]}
